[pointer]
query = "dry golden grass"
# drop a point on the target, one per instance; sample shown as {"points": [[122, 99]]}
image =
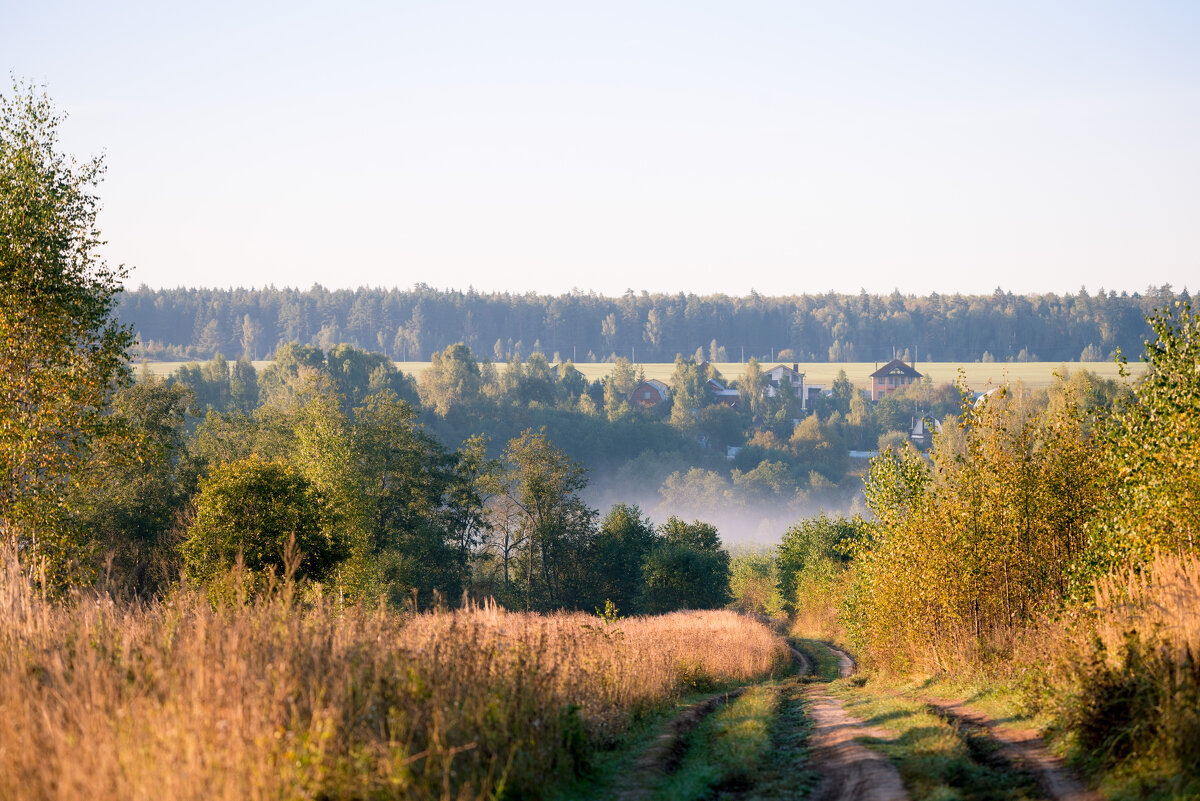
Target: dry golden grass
{"points": [[1135, 706], [285, 697], [1161, 598]]}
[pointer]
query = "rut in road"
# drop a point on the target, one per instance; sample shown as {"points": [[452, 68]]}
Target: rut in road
{"points": [[849, 770], [1023, 748], [663, 757]]}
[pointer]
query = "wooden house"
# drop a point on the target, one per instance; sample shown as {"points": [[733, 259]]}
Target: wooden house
{"points": [[650, 392]]}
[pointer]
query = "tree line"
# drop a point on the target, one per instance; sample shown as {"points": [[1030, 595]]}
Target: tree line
{"points": [[758, 464], [413, 324], [364, 500]]}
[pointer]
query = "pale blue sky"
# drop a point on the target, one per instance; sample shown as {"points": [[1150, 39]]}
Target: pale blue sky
{"points": [[690, 146]]}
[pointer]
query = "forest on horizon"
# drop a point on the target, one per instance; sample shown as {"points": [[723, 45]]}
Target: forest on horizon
{"points": [[412, 324]]}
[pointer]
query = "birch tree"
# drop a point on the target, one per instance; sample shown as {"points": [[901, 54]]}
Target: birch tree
{"points": [[62, 353]]}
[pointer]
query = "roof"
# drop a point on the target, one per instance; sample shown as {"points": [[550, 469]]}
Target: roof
{"points": [[896, 367], [646, 391], [783, 367], [652, 384]]}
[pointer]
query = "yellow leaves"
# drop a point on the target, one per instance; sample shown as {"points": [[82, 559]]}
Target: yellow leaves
{"points": [[984, 546]]}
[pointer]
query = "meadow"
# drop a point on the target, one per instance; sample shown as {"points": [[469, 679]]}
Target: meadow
{"points": [[290, 695], [979, 375]]}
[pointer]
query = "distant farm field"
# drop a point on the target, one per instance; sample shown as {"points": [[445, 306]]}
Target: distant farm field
{"points": [[979, 375], [163, 369]]}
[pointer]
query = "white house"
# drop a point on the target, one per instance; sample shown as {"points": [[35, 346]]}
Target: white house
{"points": [[722, 393], [782, 378], [924, 428]]}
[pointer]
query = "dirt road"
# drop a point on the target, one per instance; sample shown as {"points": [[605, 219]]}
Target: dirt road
{"points": [[1021, 747], [662, 758], [822, 752], [848, 769], [828, 747]]}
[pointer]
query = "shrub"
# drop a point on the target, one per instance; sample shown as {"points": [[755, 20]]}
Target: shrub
{"points": [[257, 511]]}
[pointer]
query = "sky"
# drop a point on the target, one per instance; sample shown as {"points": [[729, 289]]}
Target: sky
{"points": [[785, 147]]}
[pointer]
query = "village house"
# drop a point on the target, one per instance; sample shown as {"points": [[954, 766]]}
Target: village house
{"points": [[782, 378], [924, 428], [722, 393], [892, 376], [650, 392]]}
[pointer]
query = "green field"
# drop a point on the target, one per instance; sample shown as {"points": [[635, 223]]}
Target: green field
{"points": [[978, 374]]}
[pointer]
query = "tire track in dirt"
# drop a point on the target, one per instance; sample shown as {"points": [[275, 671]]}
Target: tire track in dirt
{"points": [[664, 756], [1023, 748], [849, 770]]}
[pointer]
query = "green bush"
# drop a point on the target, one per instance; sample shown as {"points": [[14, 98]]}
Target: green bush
{"points": [[260, 510]]}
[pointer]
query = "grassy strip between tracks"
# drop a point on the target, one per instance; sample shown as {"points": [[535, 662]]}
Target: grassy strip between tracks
{"points": [[753, 747], [734, 726], [937, 759], [726, 749]]}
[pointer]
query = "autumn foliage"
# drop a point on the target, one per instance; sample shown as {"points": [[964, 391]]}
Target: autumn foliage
{"points": [[980, 541]]}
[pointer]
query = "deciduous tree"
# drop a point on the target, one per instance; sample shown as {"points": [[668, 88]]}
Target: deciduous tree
{"points": [[687, 569], [545, 486], [257, 509], [62, 353], [1154, 445]]}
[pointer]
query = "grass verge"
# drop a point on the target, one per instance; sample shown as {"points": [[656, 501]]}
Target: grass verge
{"points": [[758, 746], [788, 771]]}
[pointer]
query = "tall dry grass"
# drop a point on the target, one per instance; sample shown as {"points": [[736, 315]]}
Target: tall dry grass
{"points": [[1162, 598], [1124, 679], [287, 698]]}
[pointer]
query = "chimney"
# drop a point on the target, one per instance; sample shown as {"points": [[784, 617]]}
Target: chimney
{"points": [[795, 367]]}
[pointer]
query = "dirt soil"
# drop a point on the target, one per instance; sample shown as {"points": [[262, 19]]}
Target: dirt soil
{"points": [[849, 770], [1024, 748]]}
